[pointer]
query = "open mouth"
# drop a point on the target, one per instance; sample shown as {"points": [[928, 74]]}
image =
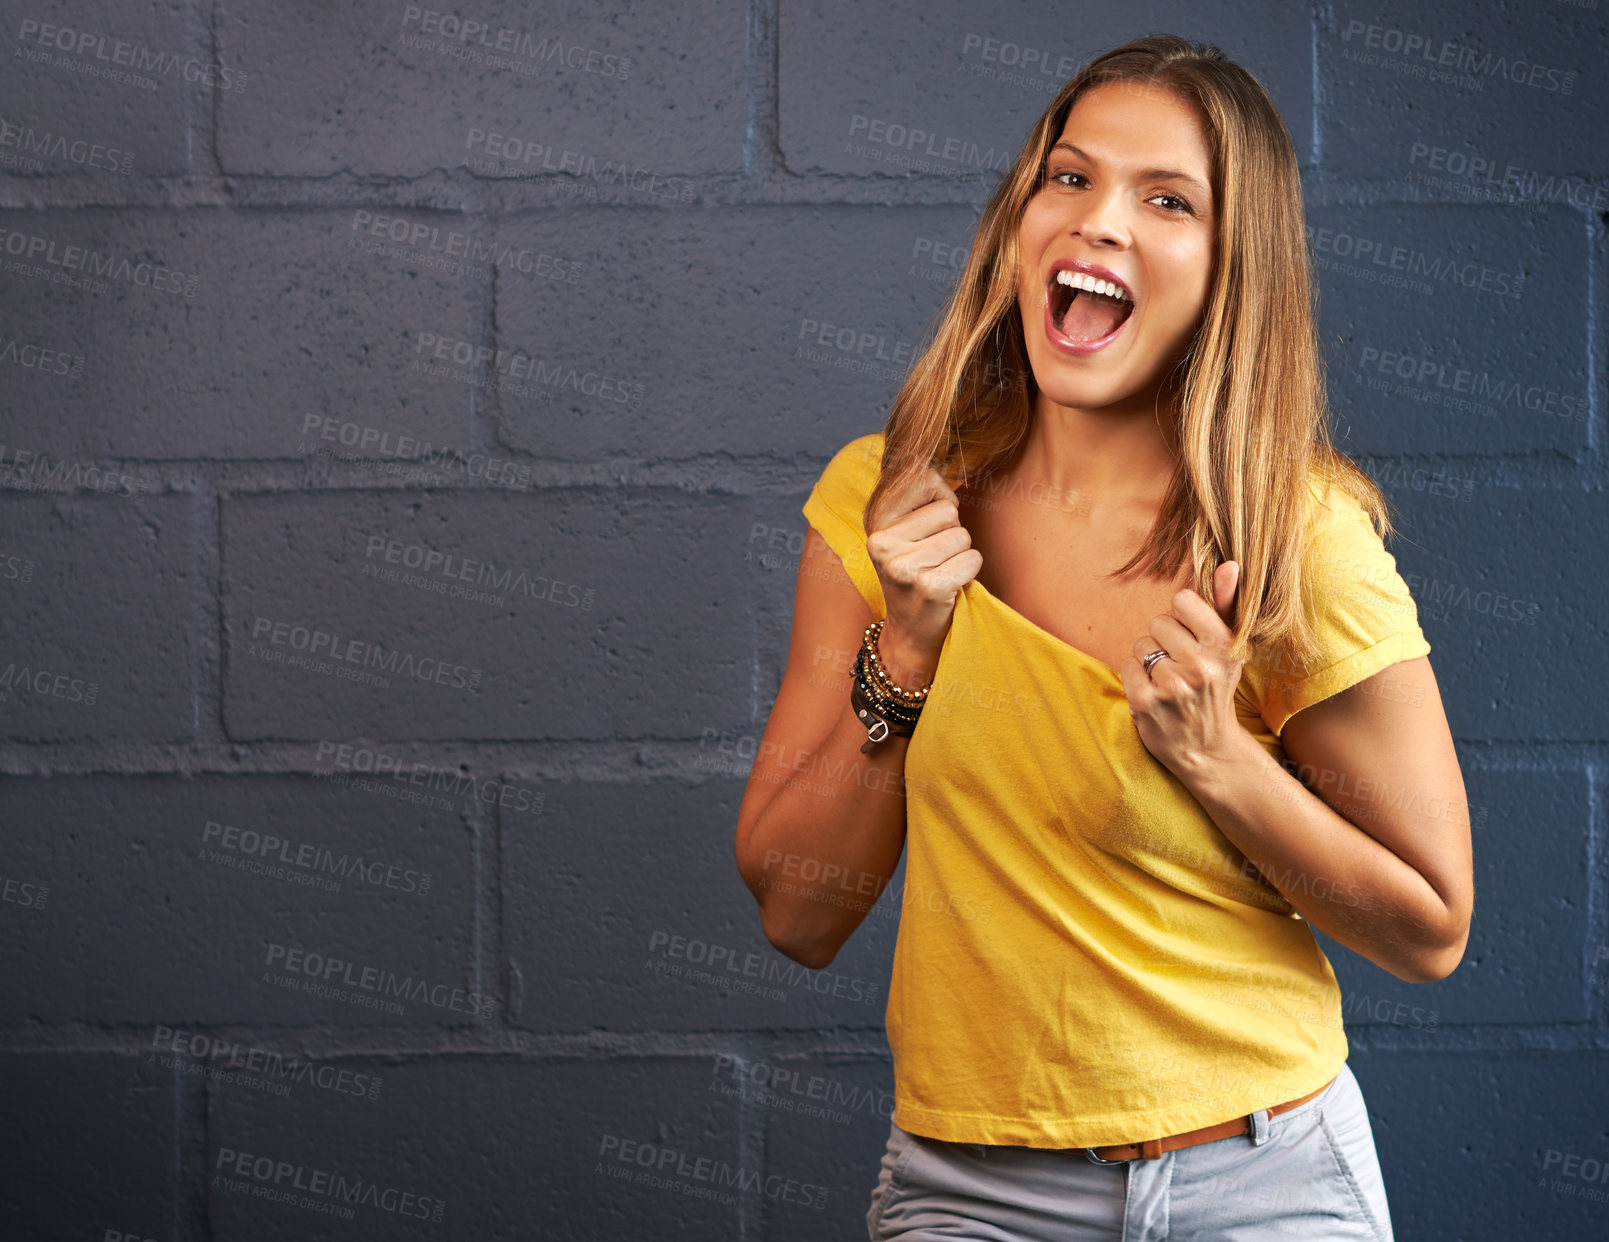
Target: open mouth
{"points": [[1084, 308]]}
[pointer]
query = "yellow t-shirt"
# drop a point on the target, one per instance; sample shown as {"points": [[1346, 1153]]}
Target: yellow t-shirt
{"points": [[1083, 957]]}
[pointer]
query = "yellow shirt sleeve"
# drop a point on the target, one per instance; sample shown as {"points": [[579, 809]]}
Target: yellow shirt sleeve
{"points": [[1365, 616], [834, 510]]}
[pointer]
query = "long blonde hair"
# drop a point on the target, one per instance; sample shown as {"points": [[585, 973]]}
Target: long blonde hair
{"points": [[1251, 407]]}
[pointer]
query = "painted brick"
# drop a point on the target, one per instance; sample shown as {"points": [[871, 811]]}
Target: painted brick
{"points": [[604, 936], [119, 563], [150, 917], [767, 330], [962, 78], [243, 348], [584, 644], [350, 88]]}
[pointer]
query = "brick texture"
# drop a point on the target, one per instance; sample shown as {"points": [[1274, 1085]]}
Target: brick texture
{"points": [[406, 415]]}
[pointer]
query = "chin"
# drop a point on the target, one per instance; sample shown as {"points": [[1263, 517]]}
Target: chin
{"points": [[1076, 392]]}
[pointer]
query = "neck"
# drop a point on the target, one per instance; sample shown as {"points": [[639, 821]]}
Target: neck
{"points": [[1117, 455]]}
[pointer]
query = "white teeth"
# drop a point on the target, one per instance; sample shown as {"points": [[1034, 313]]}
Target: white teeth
{"points": [[1078, 280]]}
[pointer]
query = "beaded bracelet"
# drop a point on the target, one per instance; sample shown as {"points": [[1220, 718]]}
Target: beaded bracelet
{"points": [[879, 677], [887, 709], [889, 706], [881, 690]]}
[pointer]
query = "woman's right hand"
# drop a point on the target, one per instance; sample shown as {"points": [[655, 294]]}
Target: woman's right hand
{"points": [[923, 557]]}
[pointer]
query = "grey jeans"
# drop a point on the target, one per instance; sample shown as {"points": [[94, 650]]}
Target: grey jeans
{"points": [[1311, 1173]]}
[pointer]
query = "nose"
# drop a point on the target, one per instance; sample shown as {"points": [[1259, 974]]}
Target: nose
{"points": [[1102, 217]]}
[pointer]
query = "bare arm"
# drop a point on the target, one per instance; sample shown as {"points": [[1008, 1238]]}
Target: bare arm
{"points": [[822, 826], [1377, 853]]}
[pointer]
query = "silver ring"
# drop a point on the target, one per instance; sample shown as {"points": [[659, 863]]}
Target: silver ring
{"points": [[1151, 659]]}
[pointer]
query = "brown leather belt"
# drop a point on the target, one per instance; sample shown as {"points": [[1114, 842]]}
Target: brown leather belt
{"points": [[1152, 1148]]}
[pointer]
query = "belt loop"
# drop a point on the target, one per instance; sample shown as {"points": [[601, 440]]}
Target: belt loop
{"points": [[1259, 1127]]}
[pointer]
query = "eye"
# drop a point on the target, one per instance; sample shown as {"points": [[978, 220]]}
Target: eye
{"points": [[1057, 177], [1183, 208]]}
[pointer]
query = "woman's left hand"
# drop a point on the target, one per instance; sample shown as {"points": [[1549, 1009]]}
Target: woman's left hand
{"points": [[1184, 708]]}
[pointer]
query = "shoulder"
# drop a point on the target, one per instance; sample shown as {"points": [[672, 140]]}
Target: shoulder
{"points": [[1362, 608], [835, 509], [853, 471], [847, 481], [1343, 549], [1328, 502]]}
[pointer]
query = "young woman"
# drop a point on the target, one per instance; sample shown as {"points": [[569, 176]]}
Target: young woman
{"points": [[1154, 705]]}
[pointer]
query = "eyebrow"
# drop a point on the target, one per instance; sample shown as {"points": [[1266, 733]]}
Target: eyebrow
{"points": [[1146, 174]]}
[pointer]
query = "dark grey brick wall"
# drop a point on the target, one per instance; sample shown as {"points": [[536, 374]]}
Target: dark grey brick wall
{"points": [[389, 530]]}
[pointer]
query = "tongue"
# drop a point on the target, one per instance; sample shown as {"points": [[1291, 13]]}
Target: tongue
{"points": [[1091, 316]]}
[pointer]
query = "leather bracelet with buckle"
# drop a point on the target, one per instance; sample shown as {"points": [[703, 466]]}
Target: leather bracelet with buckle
{"points": [[881, 724]]}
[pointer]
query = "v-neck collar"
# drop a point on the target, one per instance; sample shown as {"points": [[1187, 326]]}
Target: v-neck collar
{"points": [[1082, 657]]}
